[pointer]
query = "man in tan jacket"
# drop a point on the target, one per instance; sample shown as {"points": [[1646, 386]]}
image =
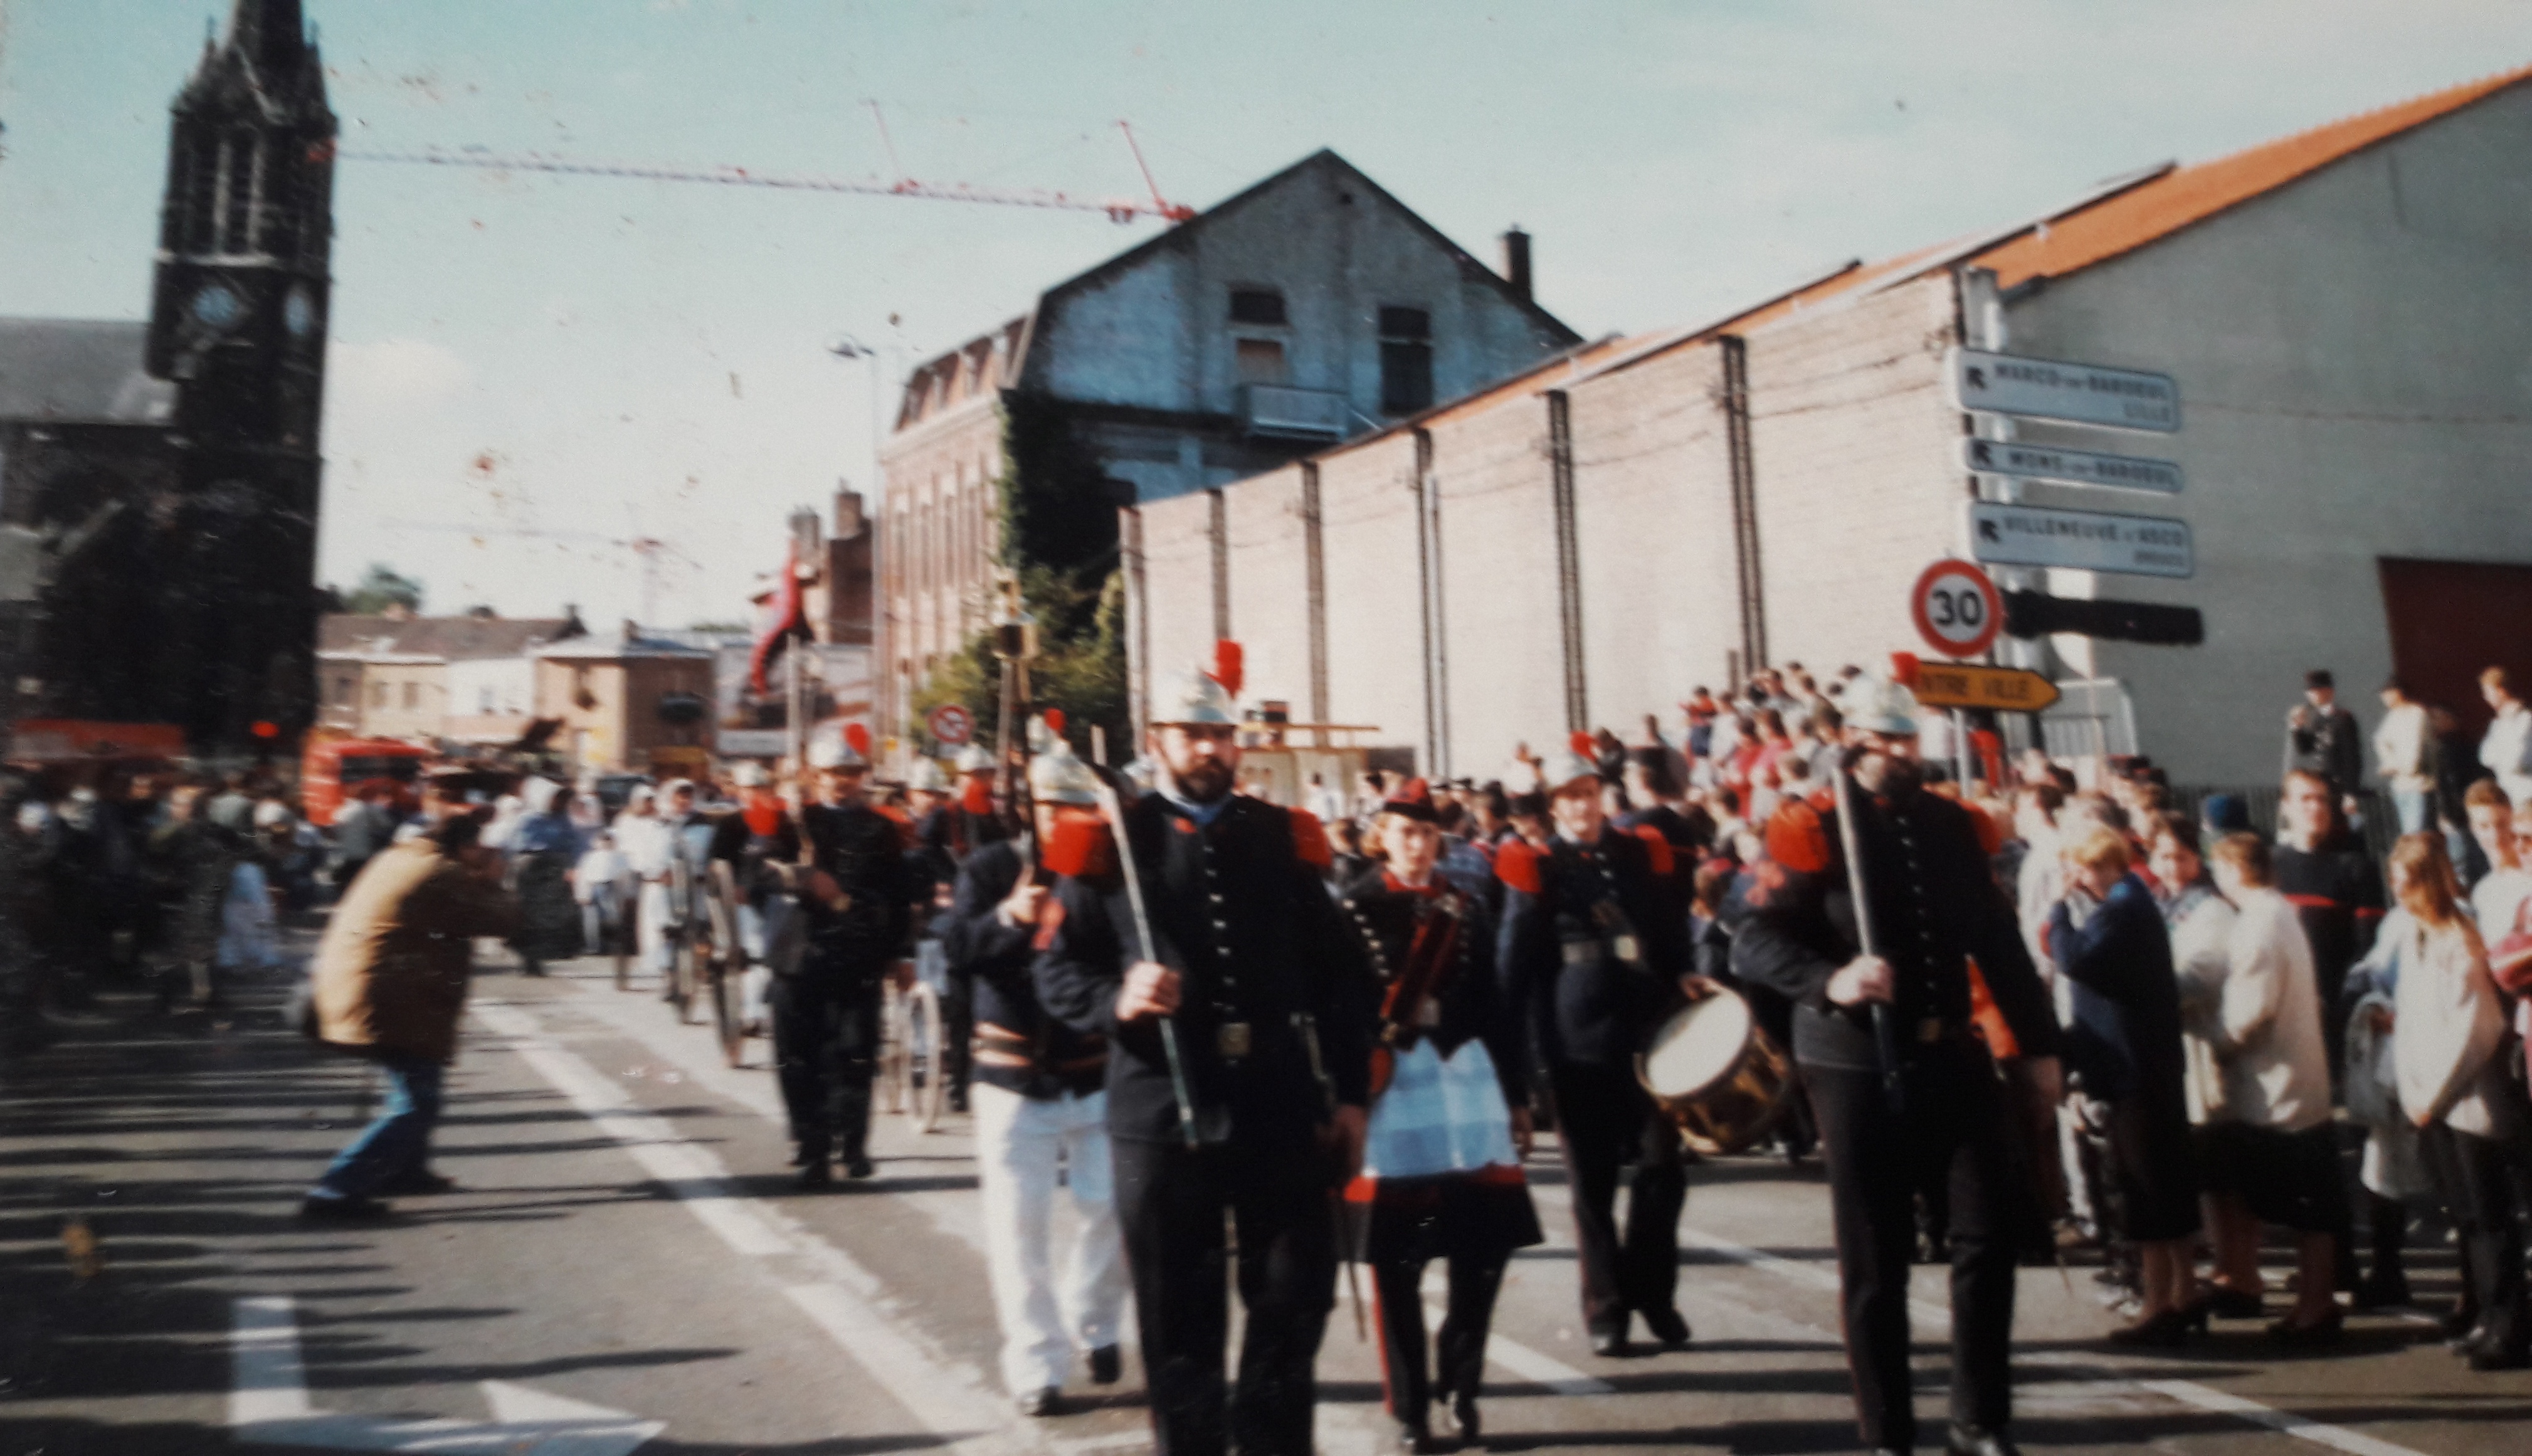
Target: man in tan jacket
{"points": [[390, 983]]}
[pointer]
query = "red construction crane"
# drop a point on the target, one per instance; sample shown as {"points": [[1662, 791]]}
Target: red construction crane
{"points": [[484, 160]]}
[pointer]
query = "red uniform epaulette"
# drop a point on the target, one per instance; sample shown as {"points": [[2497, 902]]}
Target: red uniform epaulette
{"points": [[904, 824], [1049, 919], [1081, 847], [1991, 835], [1310, 839], [1665, 864], [1797, 840], [1988, 1019], [1517, 866]]}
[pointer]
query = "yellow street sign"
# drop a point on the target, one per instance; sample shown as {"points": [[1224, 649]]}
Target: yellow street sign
{"points": [[1962, 685]]}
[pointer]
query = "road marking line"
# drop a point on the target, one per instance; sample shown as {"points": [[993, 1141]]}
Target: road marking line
{"points": [[1532, 1365], [2100, 1370], [949, 1396], [270, 1404], [267, 1381]]}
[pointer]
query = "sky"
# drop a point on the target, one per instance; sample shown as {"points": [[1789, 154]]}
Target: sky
{"points": [[515, 353]]}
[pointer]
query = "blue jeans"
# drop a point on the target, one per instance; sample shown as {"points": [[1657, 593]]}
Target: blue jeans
{"points": [[2415, 808], [398, 1143]]}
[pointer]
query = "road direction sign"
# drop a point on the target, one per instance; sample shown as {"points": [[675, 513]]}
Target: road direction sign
{"points": [[952, 724], [2054, 390], [2071, 467], [2083, 540], [1967, 685], [1957, 610]]}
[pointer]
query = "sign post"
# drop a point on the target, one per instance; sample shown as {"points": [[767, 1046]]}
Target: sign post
{"points": [[1959, 613], [2055, 389], [1957, 608], [2008, 458], [1963, 685], [2080, 540]]}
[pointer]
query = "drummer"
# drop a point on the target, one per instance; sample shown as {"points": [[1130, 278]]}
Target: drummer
{"points": [[1594, 962], [1450, 1122]]}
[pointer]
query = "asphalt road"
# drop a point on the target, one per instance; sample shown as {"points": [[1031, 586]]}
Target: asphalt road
{"points": [[627, 1266]]}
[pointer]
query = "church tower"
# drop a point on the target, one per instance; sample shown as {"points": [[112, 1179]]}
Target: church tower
{"points": [[237, 322]]}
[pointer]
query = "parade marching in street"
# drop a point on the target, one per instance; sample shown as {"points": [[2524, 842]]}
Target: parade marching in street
{"points": [[1208, 1058], [1255, 868]]}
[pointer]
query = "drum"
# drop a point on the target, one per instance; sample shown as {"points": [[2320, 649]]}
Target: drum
{"points": [[1718, 1074]]}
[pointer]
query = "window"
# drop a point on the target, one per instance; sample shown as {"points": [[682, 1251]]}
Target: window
{"points": [[1259, 360], [413, 694], [483, 701], [1262, 306], [377, 694], [1406, 360], [346, 692]]}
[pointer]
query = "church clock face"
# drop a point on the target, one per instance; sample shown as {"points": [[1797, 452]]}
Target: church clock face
{"points": [[217, 306], [298, 312]]}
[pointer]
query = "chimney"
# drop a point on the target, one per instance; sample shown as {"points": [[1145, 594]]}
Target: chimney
{"points": [[1516, 260], [849, 512]]}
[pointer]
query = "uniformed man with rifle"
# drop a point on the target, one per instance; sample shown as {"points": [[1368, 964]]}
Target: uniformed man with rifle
{"points": [[1869, 911], [1238, 1009], [827, 1013], [1040, 1097]]}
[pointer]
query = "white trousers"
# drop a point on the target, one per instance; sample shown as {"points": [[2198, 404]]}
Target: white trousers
{"points": [[1019, 1143]]}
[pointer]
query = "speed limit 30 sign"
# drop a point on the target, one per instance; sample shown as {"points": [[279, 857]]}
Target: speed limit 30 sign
{"points": [[1957, 610]]}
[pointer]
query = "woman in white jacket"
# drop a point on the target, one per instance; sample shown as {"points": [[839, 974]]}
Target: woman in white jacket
{"points": [[2453, 1085], [2267, 1152]]}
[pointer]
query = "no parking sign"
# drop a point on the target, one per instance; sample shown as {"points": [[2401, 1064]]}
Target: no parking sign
{"points": [[952, 724]]}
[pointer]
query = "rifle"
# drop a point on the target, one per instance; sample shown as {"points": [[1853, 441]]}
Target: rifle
{"points": [[1886, 1033], [1116, 813], [1308, 1026]]}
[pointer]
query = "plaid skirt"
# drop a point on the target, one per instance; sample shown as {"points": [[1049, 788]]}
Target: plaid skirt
{"points": [[1439, 1174]]}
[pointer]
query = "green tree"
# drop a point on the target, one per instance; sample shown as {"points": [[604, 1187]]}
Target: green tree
{"points": [[1080, 667], [382, 587]]}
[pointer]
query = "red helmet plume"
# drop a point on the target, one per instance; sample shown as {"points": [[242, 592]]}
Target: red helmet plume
{"points": [[1230, 666], [1584, 745], [1055, 721], [858, 738]]}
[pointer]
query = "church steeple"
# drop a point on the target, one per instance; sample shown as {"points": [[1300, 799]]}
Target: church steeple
{"points": [[270, 33], [237, 322], [245, 228]]}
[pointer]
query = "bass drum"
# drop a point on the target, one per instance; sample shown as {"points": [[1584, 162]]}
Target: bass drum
{"points": [[1718, 1074]]}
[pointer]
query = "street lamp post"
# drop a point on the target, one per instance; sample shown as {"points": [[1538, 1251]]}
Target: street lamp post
{"points": [[1015, 643], [846, 347]]}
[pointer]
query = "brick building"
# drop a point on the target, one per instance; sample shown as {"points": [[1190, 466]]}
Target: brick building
{"points": [[2343, 311], [627, 701], [1306, 310]]}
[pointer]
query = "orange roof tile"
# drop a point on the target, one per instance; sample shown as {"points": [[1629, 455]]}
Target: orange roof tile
{"points": [[2186, 194], [2087, 232]]}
